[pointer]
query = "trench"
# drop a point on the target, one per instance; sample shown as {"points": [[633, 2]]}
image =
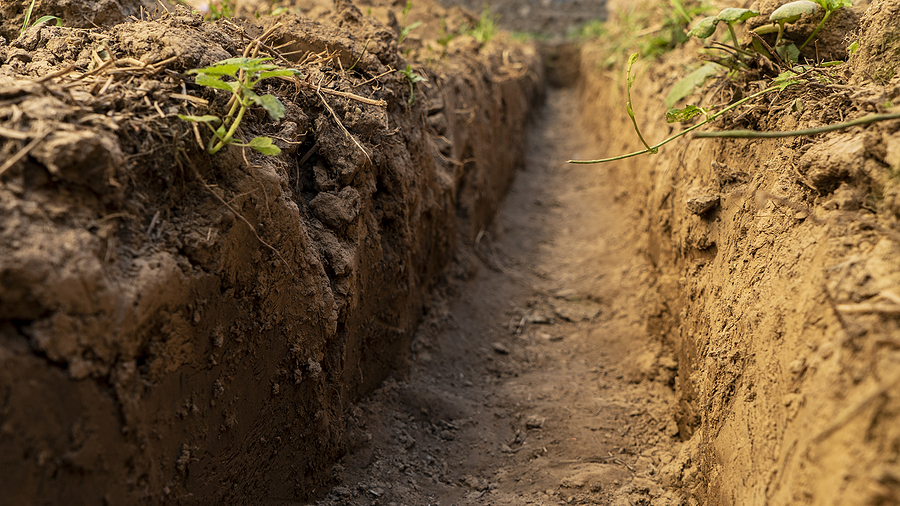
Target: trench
{"points": [[533, 378], [588, 336]]}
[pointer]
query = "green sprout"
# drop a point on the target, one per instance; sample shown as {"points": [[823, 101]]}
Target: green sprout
{"points": [[484, 28], [220, 9], [246, 73], [412, 78], [405, 31], [790, 13], [630, 110], [39, 20]]}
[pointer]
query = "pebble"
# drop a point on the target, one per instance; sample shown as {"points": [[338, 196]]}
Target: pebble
{"points": [[500, 348]]}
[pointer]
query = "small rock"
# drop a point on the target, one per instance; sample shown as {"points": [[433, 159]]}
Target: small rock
{"points": [[500, 348], [535, 422], [701, 204]]}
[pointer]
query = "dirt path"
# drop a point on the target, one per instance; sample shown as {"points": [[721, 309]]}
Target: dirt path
{"points": [[533, 380]]}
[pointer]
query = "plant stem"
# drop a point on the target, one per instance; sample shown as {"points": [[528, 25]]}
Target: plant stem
{"points": [[655, 148], [234, 125], [628, 108], [752, 134], [816, 31], [27, 17]]}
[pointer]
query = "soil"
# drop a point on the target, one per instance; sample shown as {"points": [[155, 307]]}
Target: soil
{"points": [[419, 301], [534, 379]]}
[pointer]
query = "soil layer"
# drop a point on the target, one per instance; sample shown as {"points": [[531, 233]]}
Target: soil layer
{"points": [[185, 328]]}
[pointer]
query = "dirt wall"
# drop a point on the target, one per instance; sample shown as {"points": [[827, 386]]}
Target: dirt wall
{"points": [[191, 329], [778, 263]]}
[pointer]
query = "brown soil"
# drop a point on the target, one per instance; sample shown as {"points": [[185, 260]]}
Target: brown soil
{"points": [[533, 379], [360, 320]]}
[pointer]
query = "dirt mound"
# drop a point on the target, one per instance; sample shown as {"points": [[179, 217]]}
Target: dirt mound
{"points": [[780, 293], [181, 327]]}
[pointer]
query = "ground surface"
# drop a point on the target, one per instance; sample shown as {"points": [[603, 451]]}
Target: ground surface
{"points": [[533, 379]]}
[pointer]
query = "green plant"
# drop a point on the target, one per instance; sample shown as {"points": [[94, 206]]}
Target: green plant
{"points": [[412, 78], [39, 20], [730, 16], [783, 81], [220, 9], [246, 73], [830, 6], [485, 27], [405, 31], [787, 13], [640, 30]]}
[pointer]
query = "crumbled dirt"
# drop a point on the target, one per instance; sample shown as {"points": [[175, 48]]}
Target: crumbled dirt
{"points": [[365, 320]]}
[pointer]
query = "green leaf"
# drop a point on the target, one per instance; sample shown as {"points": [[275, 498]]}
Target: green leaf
{"points": [[705, 28], [231, 66], [271, 104], [790, 12], [214, 82], [264, 145], [48, 18], [786, 79], [686, 85], [200, 119], [278, 73], [833, 5], [735, 15], [788, 52], [682, 115], [631, 59], [852, 48], [404, 33]]}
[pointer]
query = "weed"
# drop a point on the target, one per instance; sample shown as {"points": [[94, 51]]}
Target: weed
{"points": [[632, 31], [39, 20], [220, 9], [786, 79], [405, 31], [788, 13], [412, 78], [246, 73], [485, 27]]}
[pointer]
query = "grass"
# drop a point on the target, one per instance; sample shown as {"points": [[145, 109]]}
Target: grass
{"points": [[40, 20]]}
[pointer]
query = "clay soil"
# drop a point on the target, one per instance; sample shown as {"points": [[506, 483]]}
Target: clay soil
{"points": [[419, 302]]}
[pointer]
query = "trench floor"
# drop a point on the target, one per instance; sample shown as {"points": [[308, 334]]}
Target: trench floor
{"points": [[533, 379]]}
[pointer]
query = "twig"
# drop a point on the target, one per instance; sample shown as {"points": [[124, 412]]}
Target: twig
{"points": [[22, 152], [344, 94], [55, 74], [346, 132], [10, 133], [752, 134]]}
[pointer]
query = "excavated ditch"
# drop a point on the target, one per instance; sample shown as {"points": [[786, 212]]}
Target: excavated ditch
{"points": [[384, 314]]}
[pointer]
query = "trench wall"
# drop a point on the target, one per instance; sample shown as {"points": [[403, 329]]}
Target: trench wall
{"points": [[788, 376], [152, 348]]}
